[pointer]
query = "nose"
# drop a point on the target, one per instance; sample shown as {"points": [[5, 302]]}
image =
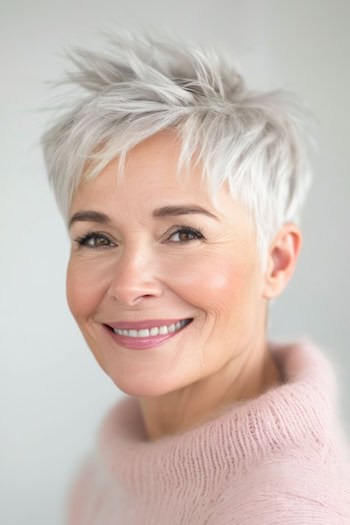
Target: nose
{"points": [[134, 276]]}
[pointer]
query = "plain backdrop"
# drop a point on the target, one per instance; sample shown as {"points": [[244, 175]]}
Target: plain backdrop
{"points": [[53, 394]]}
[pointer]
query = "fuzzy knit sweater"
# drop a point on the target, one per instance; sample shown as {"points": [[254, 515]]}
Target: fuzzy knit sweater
{"points": [[281, 458]]}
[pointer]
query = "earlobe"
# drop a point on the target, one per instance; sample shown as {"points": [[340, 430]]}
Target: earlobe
{"points": [[283, 254]]}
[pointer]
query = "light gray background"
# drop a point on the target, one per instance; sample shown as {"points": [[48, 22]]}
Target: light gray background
{"points": [[53, 393]]}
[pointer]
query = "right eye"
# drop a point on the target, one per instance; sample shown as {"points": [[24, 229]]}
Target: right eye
{"points": [[93, 240]]}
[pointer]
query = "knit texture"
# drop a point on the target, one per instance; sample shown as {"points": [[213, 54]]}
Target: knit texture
{"points": [[281, 458]]}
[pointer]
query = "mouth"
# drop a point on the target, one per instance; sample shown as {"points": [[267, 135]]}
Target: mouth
{"points": [[147, 337]]}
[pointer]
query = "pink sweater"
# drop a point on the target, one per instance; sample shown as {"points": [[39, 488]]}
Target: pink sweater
{"points": [[279, 459]]}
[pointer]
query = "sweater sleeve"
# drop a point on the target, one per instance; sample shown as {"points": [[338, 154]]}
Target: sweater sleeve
{"points": [[78, 491], [86, 493]]}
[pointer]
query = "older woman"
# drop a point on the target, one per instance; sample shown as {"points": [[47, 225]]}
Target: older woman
{"points": [[182, 192]]}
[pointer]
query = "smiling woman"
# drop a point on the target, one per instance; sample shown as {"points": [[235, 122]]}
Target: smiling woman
{"points": [[182, 193], [159, 257]]}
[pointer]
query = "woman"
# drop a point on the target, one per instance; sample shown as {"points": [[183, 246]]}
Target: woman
{"points": [[182, 192]]}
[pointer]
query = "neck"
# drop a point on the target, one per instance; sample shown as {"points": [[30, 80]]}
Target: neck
{"points": [[247, 375]]}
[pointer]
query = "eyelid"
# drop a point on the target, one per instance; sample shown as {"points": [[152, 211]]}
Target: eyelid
{"points": [[195, 231], [83, 239]]}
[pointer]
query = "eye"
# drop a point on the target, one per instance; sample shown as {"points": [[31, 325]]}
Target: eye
{"points": [[98, 240], [186, 234]]}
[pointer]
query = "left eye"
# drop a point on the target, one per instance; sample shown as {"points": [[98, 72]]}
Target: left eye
{"points": [[187, 234]]}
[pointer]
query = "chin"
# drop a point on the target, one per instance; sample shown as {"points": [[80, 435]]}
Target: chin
{"points": [[141, 390], [151, 387]]}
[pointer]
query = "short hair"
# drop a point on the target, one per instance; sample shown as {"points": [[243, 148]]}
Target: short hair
{"points": [[254, 141]]}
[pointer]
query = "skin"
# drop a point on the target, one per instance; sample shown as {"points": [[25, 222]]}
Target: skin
{"points": [[141, 269]]}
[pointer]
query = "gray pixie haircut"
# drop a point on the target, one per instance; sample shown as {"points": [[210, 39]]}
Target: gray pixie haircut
{"points": [[256, 142]]}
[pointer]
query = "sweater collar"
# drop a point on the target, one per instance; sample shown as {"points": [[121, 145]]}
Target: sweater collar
{"points": [[240, 435]]}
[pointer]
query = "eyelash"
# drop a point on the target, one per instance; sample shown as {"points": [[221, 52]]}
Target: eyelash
{"points": [[82, 241]]}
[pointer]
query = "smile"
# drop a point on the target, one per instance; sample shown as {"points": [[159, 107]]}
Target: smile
{"points": [[146, 337], [147, 332]]}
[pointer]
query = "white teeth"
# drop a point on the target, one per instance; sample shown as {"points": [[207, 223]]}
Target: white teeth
{"points": [[145, 332]]}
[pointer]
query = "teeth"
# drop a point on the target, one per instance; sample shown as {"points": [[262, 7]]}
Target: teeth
{"points": [[171, 328], [145, 332]]}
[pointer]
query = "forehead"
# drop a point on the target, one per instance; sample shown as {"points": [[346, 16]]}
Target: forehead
{"points": [[151, 169], [151, 181]]}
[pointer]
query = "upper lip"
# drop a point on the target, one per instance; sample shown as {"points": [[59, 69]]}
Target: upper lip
{"points": [[149, 323]]}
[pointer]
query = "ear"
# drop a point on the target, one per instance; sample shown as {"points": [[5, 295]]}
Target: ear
{"points": [[282, 258]]}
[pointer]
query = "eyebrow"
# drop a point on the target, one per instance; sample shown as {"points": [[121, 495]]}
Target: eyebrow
{"points": [[165, 211]]}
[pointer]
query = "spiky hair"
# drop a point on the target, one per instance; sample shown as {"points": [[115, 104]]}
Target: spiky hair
{"points": [[254, 141]]}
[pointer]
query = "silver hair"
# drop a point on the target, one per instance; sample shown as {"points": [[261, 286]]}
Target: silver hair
{"points": [[256, 142]]}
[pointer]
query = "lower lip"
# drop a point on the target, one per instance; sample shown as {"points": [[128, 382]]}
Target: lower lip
{"points": [[142, 343]]}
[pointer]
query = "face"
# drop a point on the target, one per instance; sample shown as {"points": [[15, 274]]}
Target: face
{"points": [[143, 261]]}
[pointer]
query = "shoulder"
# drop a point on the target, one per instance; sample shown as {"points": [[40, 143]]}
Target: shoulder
{"points": [[306, 484]]}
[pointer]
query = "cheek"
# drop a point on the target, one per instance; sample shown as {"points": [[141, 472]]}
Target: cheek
{"points": [[83, 288], [216, 283]]}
